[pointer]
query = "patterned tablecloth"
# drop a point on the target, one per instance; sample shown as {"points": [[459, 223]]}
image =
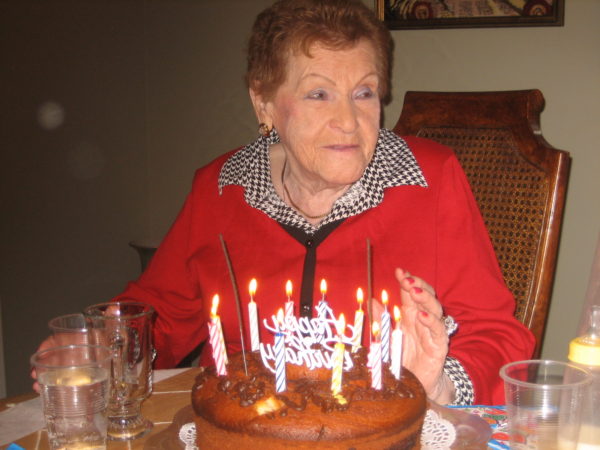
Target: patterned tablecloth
{"points": [[495, 416]]}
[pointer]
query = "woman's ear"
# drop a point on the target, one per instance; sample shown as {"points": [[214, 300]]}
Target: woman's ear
{"points": [[261, 108]]}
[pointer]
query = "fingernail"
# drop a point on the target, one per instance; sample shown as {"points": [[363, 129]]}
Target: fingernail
{"points": [[417, 290], [424, 314], [411, 280]]}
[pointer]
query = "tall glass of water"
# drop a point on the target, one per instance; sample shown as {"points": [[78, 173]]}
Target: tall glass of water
{"points": [[74, 385], [125, 327]]}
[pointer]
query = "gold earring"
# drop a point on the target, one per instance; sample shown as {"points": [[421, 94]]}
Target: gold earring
{"points": [[264, 129]]}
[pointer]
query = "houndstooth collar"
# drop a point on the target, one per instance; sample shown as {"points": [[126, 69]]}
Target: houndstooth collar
{"points": [[393, 164]]}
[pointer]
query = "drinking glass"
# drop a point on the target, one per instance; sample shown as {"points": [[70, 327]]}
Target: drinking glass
{"points": [[74, 386], [543, 403], [69, 329], [125, 327]]}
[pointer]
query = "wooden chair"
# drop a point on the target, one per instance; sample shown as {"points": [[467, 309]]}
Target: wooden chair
{"points": [[145, 250], [518, 179]]}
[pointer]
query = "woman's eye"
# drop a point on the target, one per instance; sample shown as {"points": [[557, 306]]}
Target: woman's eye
{"points": [[365, 93], [317, 95]]}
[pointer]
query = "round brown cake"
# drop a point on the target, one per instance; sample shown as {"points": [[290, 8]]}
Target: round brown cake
{"points": [[238, 411]]}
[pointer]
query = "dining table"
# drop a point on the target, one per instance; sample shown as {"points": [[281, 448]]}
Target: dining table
{"points": [[168, 407], [171, 392]]}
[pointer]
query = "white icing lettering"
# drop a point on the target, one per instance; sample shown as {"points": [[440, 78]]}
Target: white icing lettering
{"points": [[302, 336]]}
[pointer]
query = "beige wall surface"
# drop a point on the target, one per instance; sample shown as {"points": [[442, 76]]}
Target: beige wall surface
{"points": [[72, 163], [109, 107], [564, 63]]}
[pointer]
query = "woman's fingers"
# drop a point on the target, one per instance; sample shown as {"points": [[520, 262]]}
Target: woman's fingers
{"points": [[427, 302], [432, 334], [425, 338], [408, 281]]}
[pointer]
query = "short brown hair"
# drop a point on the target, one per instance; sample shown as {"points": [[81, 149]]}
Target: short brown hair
{"points": [[295, 25]]}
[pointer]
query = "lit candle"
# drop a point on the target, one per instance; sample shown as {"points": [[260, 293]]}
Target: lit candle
{"points": [[375, 358], [289, 305], [216, 338], [338, 357], [221, 336], [386, 326], [396, 365], [280, 381], [359, 317], [322, 306], [253, 317]]}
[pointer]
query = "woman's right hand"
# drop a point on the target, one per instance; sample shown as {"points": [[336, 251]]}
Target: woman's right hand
{"points": [[425, 338]]}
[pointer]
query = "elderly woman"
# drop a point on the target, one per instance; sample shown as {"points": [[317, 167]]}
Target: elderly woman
{"points": [[301, 201]]}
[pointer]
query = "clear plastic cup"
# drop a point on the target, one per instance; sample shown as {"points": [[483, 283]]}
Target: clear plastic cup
{"points": [[543, 403], [74, 386], [69, 329]]}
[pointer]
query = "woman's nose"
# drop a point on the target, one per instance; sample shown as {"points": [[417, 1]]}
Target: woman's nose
{"points": [[345, 116]]}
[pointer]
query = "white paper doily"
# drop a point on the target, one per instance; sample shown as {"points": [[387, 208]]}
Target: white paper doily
{"points": [[437, 434], [187, 435]]}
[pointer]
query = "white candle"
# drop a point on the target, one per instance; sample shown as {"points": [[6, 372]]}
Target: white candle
{"points": [[359, 317], [279, 348], [216, 339], [396, 365], [338, 357], [253, 317], [385, 328], [289, 305]]}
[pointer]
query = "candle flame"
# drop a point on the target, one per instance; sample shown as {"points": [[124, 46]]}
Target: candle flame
{"points": [[360, 297], [375, 329], [323, 286], [215, 305], [384, 297], [397, 313], [288, 288], [252, 287], [340, 325], [280, 316]]}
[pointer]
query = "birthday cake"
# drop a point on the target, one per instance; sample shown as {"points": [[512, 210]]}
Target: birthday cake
{"points": [[310, 386], [243, 411]]}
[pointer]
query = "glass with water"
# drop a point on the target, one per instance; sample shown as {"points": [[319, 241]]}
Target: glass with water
{"points": [[74, 386]]}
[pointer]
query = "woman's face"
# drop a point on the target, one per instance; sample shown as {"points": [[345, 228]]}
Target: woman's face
{"points": [[327, 114]]}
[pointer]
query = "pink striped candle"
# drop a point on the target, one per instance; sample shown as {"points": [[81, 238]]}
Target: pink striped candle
{"points": [[386, 325], [216, 339], [253, 317], [375, 358], [217, 322]]}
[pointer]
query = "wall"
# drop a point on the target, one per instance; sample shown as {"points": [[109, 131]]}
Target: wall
{"points": [[151, 90], [564, 63], [73, 163]]}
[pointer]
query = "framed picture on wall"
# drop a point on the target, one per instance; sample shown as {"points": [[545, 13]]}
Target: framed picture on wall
{"points": [[407, 14]]}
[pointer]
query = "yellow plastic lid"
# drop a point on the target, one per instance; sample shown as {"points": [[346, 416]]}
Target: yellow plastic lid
{"points": [[585, 352]]}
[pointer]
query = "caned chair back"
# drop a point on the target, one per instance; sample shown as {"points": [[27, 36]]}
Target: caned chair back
{"points": [[518, 179]]}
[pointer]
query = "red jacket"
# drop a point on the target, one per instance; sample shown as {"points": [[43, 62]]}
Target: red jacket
{"points": [[435, 232]]}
